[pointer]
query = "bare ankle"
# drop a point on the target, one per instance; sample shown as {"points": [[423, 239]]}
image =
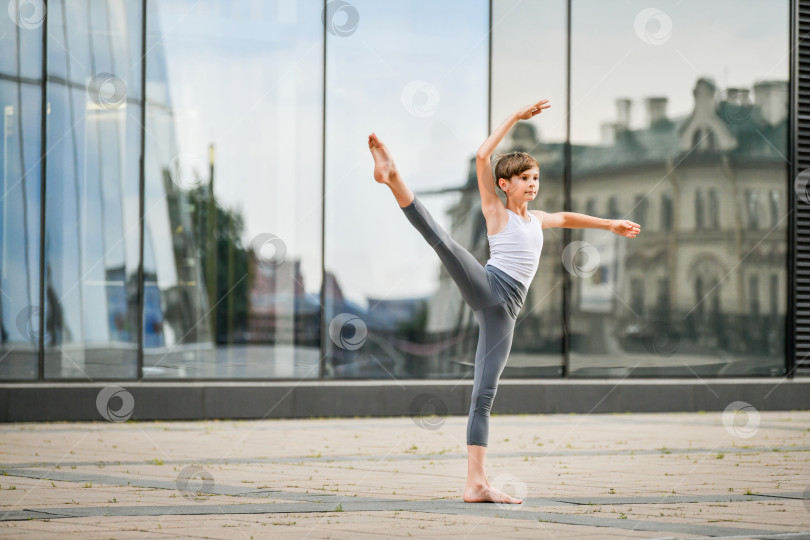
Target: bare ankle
{"points": [[477, 483]]}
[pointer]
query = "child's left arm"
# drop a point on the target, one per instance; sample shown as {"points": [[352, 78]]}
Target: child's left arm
{"points": [[622, 227]]}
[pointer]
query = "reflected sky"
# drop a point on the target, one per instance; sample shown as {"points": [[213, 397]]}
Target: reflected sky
{"points": [[420, 83], [247, 78], [736, 47]]}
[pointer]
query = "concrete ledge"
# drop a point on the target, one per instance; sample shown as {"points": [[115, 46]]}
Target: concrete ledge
{"points": [[24, 402]]}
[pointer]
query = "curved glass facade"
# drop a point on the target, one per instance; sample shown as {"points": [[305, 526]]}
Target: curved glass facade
{"points": [[187, 188]]}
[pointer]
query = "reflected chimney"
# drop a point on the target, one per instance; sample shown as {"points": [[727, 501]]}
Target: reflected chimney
{"points": [[737, 95], [771, 98], [656, 110], [608, 134], [622, 114]]}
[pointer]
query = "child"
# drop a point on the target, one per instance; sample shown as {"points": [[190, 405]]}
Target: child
{"points": [[496, 291]]}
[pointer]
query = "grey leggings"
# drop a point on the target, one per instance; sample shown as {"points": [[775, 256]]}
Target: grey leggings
{"points": [[495, 298]]}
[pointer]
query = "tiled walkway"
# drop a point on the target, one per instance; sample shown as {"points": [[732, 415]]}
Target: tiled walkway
{"points": [[581, 476]]}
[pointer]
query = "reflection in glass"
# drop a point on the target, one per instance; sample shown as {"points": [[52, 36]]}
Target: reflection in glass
{"points": [[521, 76], [92, 229], [232, 234], [421, 84], [21, 106], [232, 267], [703, 172]]}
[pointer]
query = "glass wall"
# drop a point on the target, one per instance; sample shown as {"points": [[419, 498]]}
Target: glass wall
{"points": [[243, 189], [522, 75], [92, 231], [398, 69], [232, 228], [20, 230], [682, 129]]}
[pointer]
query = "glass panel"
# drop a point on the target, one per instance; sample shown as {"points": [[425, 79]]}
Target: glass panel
{"points": [[668, 110], [92, 231], [233, 189], [21, 105], [404, 71], [520, 76]]}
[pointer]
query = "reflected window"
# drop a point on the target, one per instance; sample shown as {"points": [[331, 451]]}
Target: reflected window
{"points": [[232, 233], [92, 232], [773, 200], [518, 73], [613, 207], [752, 200], [24, 323], [666, 212], [637, 285], [590, 207], [753, 291], [714, 209], [391, 308], [691, 123], [640, 210], [663, 298]]}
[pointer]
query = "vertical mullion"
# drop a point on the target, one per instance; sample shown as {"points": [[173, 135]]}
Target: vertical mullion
{"points": [[42, 161], [322, 307], [567, 197], [141, 194], [790, 311], [489, 73]]}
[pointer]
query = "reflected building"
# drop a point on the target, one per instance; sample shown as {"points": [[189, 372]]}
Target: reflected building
{"points": [[708, 190], [702, 288], [134, 185]]}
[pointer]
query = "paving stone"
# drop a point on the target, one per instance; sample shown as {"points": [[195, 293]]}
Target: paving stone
{"points": [[673, 475]]}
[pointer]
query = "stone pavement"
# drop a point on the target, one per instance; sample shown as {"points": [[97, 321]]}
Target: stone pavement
{"points": [[680, 475]]}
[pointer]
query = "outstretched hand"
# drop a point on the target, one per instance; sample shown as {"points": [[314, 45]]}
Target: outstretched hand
{"points": [[625, 227], [524, 113]]}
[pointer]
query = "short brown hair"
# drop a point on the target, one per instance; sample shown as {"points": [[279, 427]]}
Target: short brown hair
{"points": [[512, 164]]}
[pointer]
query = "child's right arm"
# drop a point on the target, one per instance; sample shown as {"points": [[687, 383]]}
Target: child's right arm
{"points": [[483, 166]]}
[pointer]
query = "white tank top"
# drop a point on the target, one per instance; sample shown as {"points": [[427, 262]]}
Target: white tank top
{"points": [[516, 249]]}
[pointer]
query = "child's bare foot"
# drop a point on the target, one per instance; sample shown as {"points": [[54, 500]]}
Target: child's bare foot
{"points": [[484, 492], [385, 171]]}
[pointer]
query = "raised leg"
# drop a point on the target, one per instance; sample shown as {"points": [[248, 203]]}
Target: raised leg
{"points": [[469, 275]]}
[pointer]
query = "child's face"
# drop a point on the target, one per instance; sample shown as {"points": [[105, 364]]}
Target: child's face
{"points": [[524, 186]]}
